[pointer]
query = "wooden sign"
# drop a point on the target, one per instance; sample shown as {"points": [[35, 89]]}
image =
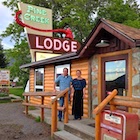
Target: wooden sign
{"points": [[4, 77], [57, 45]]}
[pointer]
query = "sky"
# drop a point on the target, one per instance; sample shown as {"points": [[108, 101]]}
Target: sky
{"points": [[6, 19]]}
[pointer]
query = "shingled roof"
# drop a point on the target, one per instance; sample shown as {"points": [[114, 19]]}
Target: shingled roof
{"points": [[129, 33], [126, 30]]}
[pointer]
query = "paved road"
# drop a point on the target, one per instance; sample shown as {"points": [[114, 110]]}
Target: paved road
{"points": [[14, 124]]}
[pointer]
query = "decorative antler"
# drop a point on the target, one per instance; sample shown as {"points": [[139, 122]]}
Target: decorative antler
{"points": [[67, 32]]}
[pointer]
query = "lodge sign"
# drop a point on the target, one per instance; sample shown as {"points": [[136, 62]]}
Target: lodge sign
{"points": [[58, 45]]}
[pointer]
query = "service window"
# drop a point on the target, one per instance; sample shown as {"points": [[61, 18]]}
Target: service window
{"points": [[59, 71], [39, 79]]}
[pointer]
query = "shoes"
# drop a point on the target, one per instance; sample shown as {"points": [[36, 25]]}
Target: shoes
{"points": [[60, 120]]}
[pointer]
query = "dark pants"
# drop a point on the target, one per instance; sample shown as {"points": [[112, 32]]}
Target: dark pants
{"points": [[61, 103]]}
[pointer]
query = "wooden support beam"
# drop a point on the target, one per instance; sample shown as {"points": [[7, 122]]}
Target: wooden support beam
{"points": [[66, 102], [26, 107], [54, 118], [97, 127], [42, 109]]}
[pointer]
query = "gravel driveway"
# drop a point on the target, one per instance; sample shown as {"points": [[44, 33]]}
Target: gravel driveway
{"points": [[14, 124]]}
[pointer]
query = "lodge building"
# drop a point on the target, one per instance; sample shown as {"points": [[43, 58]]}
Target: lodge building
{"points": [[109, 59]]}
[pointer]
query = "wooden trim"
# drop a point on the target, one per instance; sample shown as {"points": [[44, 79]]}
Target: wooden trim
{"points": [[115, 53], [89, 91], [99, 80], [100, 56], [130, 77]]}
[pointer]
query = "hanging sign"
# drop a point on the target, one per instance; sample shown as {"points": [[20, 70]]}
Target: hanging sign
{"points": [[36, 16], [57, 45]]}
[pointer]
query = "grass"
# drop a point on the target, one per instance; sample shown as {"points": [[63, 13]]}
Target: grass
{"points": [[38, 119], [32, 108], [4, 101], [16, 91]]}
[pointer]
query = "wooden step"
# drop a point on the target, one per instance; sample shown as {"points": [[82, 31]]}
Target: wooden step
{"points": [[64, 135], [81, 130]]}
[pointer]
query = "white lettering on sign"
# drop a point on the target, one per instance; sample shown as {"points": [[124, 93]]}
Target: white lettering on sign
{"points": [[56, 44], [66, 47], [106, 137], [113, 118], [48, 47], [74, 46], [37, 43]]}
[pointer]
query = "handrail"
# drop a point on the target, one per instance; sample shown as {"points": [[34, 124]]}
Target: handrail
{"points": [[61, 94], [125, 101], [100, 107], [97, 111], [39, 93], [42, 106], [64, 94]]}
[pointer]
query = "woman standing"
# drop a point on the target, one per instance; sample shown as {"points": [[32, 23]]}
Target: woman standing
{"points": [[78, 88]]}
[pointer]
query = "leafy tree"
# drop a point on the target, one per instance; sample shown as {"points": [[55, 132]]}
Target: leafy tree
{"points": [[120, 11], [3, 62], [19, 55]]}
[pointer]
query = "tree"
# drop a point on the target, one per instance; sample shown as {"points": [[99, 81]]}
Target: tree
{"points": [[19, 55], [127, 13], [3, 62]]}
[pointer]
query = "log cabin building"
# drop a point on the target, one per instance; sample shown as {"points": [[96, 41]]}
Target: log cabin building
{"points": [[108, 59]]}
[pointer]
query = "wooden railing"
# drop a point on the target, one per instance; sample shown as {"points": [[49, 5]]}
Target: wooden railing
{"points": [[52, 105], [42, 95], [97, 111], [54, 109], [114, 101]]}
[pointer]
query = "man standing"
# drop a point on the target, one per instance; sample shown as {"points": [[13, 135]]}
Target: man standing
{"points": [[64, 81]]}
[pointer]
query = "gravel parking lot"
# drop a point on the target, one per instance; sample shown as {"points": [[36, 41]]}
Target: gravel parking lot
{"points": [[14, 124]]}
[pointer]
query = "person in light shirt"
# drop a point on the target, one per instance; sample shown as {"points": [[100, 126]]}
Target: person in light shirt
{"points": [[64, 81]]}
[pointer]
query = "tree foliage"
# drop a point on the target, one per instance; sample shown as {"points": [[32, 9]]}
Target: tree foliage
{"points": [[3, 62], [126, 12], [18, 56]]}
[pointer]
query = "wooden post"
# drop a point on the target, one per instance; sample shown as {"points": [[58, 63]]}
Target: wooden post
{"points": [[26, 107], [54, 118], [112, 107], [66, 101], [42, 109], [97, 127]]}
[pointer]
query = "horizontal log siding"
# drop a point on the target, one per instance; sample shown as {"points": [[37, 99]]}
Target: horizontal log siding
{"points": [[82, 65], [31, 79]]}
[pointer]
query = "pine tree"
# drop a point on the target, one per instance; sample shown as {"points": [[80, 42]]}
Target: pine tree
{"points": [[3, 63]]}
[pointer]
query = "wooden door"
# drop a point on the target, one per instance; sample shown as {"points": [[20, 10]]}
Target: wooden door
{"points": [[114, 70]]}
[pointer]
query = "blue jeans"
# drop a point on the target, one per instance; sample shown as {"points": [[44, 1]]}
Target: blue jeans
{"points": [[61, 103]]}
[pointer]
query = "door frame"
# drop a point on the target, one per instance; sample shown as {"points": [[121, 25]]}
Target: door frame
{"points": [[100, 74], [109, 59]]}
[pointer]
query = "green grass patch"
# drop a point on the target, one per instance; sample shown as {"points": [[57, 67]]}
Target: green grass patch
{"points": [[32, 108], [5, 101], [16, 91], [38, 119], [3, 95]]}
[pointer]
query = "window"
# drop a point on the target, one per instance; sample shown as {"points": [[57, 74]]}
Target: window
{"points": [[39, 79], [59, 71], [114, 75]]}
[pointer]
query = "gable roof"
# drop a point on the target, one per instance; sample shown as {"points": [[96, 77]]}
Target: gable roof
{"points": [[128, 31], [129, 34]]}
